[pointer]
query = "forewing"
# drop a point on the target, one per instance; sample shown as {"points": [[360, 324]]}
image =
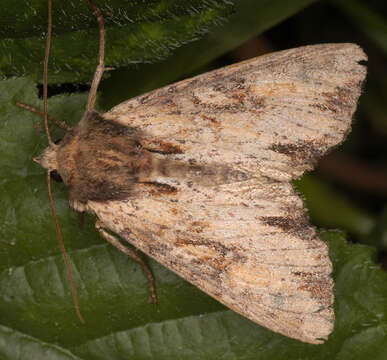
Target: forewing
{"points": [[275, 114], [249, 245]]}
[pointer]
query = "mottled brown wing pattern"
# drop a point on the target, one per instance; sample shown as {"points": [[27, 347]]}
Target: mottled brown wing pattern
{"points": [[247, 243], [275, 114], [250, 247]]}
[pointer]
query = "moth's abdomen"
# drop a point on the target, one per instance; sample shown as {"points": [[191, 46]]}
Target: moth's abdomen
{"points": [[210, 174]]}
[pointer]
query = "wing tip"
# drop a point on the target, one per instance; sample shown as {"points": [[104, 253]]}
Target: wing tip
{"points": [[318, 330]]}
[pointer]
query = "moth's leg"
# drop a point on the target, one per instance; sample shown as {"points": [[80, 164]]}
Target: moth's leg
{"points": [[131, 253], [57, 122]]}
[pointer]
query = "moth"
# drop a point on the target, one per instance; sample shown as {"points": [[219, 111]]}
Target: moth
{"points": [[197, 175]]}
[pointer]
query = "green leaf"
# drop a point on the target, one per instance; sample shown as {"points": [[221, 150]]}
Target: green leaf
{"points": [[137, 32], [16, 345], [35, 299], [36, 308], [250, 18], [328, 207]]}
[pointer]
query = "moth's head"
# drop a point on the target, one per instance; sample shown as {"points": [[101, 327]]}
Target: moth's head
{"points": [[47, 158]]}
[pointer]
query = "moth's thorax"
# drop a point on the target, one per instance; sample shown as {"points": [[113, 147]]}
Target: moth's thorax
{"points": [[100, 159]]}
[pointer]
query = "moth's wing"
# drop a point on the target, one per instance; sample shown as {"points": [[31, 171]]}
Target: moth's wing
{"points": [[275, 114], [247, 244]]}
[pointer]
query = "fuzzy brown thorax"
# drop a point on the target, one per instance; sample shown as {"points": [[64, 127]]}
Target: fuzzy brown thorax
{"points": [[98, 159]]}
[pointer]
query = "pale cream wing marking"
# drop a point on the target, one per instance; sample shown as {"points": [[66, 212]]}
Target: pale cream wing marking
{"points": [[275, 114], [249, 246]]}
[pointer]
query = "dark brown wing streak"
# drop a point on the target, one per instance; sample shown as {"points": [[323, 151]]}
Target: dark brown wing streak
{"points": [[247, 243]]}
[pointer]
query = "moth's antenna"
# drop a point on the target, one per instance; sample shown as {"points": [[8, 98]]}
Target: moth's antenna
{"points": [[64, 253], [45, 72], [52, 145], [57, 122], [100, 68]]}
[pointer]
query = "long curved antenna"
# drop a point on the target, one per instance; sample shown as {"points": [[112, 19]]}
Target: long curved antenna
{"points": [[52, 145], [64, 253], [100, 68], [45, 72], [33, 109]]}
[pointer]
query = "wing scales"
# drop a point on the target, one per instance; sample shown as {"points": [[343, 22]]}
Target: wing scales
{"points": [[248, 243], [304, 96], [278, 279]]}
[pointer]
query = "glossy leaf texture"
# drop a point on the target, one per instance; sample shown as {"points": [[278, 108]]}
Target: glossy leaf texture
{"points": [[37, 314], [36, 309], [137, 32]]}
